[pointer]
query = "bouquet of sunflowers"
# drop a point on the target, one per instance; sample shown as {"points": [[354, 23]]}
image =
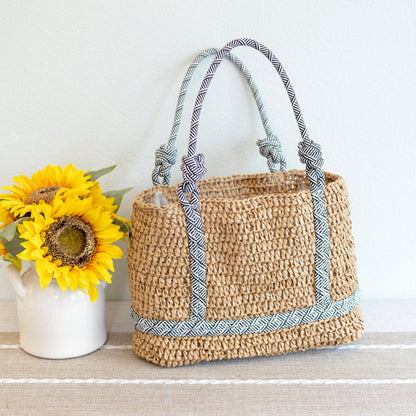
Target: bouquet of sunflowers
{"points": [[60, 219]]}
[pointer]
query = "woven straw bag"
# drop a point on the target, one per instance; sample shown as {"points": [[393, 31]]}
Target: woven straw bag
{"points": [[246, 265]]}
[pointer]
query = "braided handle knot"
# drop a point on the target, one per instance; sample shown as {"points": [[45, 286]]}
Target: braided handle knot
{"points": [[193, 169], [310, 154], [165, 158], [271, 148]]}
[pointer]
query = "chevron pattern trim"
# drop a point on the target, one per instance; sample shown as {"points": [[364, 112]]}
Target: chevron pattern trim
{"points": [[309, 153], [193, 169], [165, 156], [197, 250], [196, 328]]}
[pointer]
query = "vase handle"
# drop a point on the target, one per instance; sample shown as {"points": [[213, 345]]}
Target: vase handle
{"points": [[16, 281]]}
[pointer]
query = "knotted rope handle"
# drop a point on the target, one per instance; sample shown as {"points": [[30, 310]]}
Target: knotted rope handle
{"points": [[269, 147], [193, 168]]}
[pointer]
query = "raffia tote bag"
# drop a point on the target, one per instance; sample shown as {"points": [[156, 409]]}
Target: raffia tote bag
{"points": [[246, 265]]}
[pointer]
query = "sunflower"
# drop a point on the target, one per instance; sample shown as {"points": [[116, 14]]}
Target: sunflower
{"points": [[71, 241], [44, 185]]}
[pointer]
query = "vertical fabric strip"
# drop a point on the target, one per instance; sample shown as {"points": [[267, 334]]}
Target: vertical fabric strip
{"points": [[197, 255], [309, 154]]}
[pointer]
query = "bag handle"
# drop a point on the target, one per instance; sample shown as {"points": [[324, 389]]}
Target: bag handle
{"points": [[193, 170], [269, 147], [192, 165]]}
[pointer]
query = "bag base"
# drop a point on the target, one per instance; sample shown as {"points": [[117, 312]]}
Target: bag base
{"points": [[177, 351]]}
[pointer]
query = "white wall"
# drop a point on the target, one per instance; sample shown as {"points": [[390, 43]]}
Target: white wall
{"points": [[95, 83]]}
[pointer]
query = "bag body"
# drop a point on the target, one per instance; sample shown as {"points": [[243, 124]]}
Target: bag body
{"points": [[242, 266]]}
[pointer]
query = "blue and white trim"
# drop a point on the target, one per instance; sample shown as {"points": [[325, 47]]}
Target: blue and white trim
{"points": [[270, 147], [193, 170], [196, 327]]}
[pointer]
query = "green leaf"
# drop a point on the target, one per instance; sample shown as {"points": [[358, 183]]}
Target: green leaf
{"points": [[117, 195], [14, 247], [124, 228], [95, 174], [10, 237], [9, 232]]}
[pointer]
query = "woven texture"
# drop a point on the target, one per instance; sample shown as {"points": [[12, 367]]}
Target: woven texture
{"points": [[244, 265], [260, 248], [193, 169], [176, 351]]}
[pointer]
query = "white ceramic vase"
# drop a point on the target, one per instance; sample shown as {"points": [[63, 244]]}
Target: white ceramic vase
{"points": [[57, 324]]}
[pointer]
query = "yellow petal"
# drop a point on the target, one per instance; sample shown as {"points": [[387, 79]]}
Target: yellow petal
{"points": [[93, 292], [63, 284], [44, 276], [104, 259], [73, 279]]}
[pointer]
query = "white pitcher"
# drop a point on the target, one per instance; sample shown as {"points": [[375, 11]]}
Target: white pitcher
{"points": [[54, 323]]}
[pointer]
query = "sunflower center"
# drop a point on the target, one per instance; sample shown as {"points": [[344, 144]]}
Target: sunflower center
{"points": [[47, 194], [71, 240]]}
